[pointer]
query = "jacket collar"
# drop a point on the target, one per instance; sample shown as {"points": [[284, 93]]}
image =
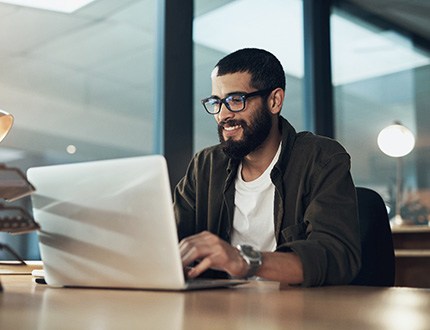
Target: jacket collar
{"points": [[288, 138]]}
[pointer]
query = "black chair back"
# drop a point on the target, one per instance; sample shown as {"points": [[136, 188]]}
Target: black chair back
{"points": [[377, 252]]}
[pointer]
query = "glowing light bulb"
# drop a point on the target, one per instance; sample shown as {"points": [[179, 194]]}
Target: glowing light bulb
{"points": [[71, 149], [396, 140]]}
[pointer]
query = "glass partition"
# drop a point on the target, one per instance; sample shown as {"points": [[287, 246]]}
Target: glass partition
{"points": [[80, 85], [221, 27], [379, 78]]}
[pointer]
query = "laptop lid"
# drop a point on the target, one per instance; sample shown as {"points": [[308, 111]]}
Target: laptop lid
{"points": [[107, 223]]}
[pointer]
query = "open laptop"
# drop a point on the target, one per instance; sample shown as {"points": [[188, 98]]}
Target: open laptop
{"points": [[110, 224]]}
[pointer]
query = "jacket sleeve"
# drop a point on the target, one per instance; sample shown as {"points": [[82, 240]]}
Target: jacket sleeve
{"points": [[184, 200], [330, 254]]}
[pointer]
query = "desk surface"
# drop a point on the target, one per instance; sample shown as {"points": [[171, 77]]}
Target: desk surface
{"points": [[410, 229], [257, 305]]}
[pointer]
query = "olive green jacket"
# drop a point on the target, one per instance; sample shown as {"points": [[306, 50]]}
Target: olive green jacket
{"points": [[315, 210]]}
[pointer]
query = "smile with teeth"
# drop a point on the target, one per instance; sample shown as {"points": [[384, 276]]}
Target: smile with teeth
{"points": [[231, 128]]}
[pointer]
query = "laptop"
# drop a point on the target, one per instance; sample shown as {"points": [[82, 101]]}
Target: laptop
{"points": [[110, 224]]}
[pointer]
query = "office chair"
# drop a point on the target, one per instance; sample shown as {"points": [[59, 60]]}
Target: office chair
{"points": [[377, 252]]}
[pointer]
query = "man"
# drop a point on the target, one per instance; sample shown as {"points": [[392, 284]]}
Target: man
{"points": [[266, 201]]}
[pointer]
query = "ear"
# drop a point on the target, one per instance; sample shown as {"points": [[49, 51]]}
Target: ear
{"points": [[275, 100]]}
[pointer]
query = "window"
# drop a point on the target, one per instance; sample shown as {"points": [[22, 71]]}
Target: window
{"points": [[79, 85], [379, 77], [217, 34]]}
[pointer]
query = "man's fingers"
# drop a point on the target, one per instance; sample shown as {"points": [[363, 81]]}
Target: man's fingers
{"points": [[212, 253], [203, 265], [194, 249], [187, 256]]}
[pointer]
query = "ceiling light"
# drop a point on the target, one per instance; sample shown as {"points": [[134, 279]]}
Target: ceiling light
{"points": [[63, 6], [71, 149]]}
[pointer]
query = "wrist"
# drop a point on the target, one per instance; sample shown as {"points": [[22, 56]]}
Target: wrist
{"points": [[252, 260]]}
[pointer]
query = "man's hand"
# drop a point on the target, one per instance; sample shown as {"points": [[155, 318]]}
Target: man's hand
{"points": [[212, 252]]}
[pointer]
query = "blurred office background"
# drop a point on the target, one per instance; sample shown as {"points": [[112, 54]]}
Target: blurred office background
{"points": [[84, 83]]}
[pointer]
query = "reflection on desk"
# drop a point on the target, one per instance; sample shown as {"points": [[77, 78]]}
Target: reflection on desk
{"points": [[120, 309], [258, 305]]}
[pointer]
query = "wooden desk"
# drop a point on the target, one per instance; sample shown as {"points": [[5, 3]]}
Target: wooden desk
{"points": [[412, 250], [258, 305]]}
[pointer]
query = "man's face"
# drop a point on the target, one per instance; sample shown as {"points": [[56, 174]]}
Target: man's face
{"points": [[240, 133]]}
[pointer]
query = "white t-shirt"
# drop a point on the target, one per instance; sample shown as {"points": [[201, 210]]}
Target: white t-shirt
{"points": [[253, 222]]}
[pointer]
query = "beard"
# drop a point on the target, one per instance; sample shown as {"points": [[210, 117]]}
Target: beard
{"points": [[254, 134]]}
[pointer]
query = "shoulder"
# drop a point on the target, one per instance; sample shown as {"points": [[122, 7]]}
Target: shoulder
{"points": [[307, 143], [319, 149], [315, 142], [210, 158], [210, 153]]}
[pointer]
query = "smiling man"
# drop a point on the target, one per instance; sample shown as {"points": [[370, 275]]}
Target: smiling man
{"points": [[267, 201]]}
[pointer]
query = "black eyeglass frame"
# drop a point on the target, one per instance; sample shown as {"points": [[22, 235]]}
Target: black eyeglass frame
{"points": [[244, 97]]}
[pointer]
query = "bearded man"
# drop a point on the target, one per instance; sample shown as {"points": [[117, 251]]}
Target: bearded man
{"points": [[266, 202]]}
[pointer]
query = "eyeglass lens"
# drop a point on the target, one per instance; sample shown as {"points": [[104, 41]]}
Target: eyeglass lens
{"points": [[232, 102]]}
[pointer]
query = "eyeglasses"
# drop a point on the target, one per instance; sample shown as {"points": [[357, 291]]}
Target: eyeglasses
{"points": [[234, 102]]}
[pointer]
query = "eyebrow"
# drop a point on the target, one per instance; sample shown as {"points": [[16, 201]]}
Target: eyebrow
{"points": [[229, 94]]}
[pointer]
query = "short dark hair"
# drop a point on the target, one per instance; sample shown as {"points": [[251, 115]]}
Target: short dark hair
{"points": [[265, 69]]}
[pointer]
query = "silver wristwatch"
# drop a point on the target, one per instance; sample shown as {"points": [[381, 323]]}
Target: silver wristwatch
{"points": [[253, 258]]}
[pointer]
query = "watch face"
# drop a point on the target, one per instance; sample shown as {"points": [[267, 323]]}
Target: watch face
{"points": [[250, 252], [252, 257]]}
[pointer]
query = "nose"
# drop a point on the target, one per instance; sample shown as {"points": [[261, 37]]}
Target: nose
{"points": [[224, 114]]}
